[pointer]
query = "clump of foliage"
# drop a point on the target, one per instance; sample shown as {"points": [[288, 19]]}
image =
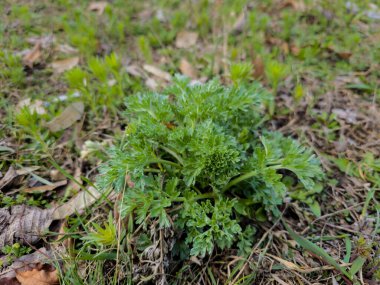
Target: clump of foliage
{"points": [[15, 251], [101, 84], [196, 158]]}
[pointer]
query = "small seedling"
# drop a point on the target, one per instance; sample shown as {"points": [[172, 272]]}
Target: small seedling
{"points": [[15, 251]]}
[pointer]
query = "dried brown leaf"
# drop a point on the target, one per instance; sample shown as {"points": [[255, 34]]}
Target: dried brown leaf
{"points": [[65, 48], [74, 184], [45, 41], [157, 72], [9, 281], [145, 14], [289, 265], [42, 275], [239, 24], [344, 54], [297, 5], [98, 7], [36, 106], [134, 70], [186, 39], [67, 118], [56, 175], [187, 69], [8, 177], [23, 224], [11, 174], [26, 262], [295, 50], [45, 188], [76, 204], [27, 170], [350, 116], [258, 68], [63, 65], [151, 84], [195, 260], [33, 55], [285, 48]]}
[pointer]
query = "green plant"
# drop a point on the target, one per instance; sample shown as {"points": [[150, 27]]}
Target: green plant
{"points": [[196, 158], [240, 72], [15, 251], [12, 69], [275, 72], [101, 84], [356, 265], [145, 49], [105, 237]]}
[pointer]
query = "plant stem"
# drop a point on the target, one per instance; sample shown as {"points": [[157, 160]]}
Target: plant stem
{"points": [[239, 179], [173, 153], [165, 162], [153, 170]]}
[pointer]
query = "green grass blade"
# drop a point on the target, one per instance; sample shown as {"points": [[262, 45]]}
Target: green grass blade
{"points": [[313, 248], [356, 265], [347, 257]]}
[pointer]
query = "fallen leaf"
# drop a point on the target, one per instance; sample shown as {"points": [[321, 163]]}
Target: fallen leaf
{"points": [[68, 117], [111, 82], [63, 65], [11, 174], [33, 55], [65, 48], [274, 41], [285, 48], [186, 39], [157, 72], [9, 281], [258, 68], [26, 224], [8, 177], [74, 186], [23, 224], [344, 54], [77, 204], [151, 84], [295, 50], [134, 70], [45, 188], [56, 175], [27, 170], [160, 15], [340, 54], [297, 5], [41, 256], [239, 24], [187, 69], [195, 260], [350, 116], [42, 275], [289, 265], [97, 7], [36, 106], [45, 41], [145, 14]]}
